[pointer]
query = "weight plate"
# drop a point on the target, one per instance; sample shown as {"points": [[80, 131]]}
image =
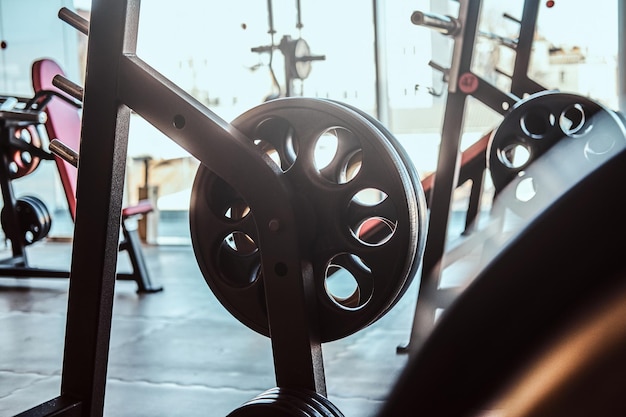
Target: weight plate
{"points": [[22, 162], [320, 403], [280, 396], [417, 188], [267, 408], [269, 404], [33, 219], [536, 124], [294, 402], [301, 50], [361, 216]]}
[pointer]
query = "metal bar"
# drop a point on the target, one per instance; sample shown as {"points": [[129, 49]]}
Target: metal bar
{"points": [[270, 18], [519, 80], [380, 62], [494, 98], [288, 65], [475, 197], [299, 24], [59, 406], [31, 272], [297, 349], [187, 121], [621, 56], [141, 275], [74, 20], [444, 24], [113, 30], [68, 86], [64, 152]]}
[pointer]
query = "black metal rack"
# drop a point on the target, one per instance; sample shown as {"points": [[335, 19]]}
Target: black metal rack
{"points": [[28, 214], [463, 82], [14, 121], [116, 82]]}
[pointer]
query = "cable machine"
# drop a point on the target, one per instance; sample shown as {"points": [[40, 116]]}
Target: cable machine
{"points": [[296, 52]]}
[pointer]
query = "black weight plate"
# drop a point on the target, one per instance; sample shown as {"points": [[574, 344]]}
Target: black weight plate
{"points": [[328, 197], [320, 403], [419, 193], [540, 121], [41, 221], [33, 220], [22, 162]]}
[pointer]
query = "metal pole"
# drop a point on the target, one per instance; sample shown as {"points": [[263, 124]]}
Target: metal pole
{"points": [[380, 62], [112, 32], [621, 55]]}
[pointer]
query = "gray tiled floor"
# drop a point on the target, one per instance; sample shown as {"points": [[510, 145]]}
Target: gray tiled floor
{"points": [[177, 352]]}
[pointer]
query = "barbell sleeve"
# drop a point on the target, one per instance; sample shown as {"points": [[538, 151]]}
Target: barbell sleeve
{"points": [[64, 152], [444, 24], [68, 87], [74, 20]]}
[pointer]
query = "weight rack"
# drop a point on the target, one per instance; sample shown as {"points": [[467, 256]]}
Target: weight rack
{"points": [[116, 82], [462, 82]]}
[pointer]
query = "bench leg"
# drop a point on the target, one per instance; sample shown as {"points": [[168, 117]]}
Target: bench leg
{"points": [[132, 245]]}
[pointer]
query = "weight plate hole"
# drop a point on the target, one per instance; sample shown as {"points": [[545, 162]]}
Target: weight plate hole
{"points": [[525, 190], [599, 145], [26, 157], [241, 243], [537, 122], [572, 120], [337, 155], [342, 286], [238, 260], [373, 219], [325, 149], [375, 231], [514, 155], [24, 135], [226, 203], [274, 137], [351, 168], [369, 197], [268, 150], [237, 211]]}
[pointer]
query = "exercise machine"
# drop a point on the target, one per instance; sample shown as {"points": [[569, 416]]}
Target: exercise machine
{"points": [[27, 124], [296, 53]]}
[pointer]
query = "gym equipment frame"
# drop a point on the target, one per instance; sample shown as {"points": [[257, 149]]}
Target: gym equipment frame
{"points": [[384, 248], [450, 173], [26, 219], [296, 53]]}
